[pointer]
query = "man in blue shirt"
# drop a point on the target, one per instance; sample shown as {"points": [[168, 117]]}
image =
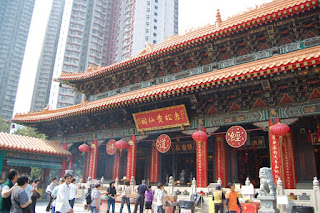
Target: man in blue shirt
{"points": [[140, 198]]}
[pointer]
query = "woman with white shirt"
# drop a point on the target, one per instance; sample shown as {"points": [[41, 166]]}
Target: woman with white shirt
{"points": [[125, 194]]}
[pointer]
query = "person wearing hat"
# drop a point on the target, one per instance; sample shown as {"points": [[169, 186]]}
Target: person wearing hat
{"points": [[218, 198]]}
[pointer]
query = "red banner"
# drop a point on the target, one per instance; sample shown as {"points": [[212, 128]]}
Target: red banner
{"points": [[221, 160], [236, 136], [275, 157], [111, 147], [132, 158], [163, 143], [288, 161], [93, 160], [155, 164], [202, 163], [116, 166], [163, 118]]}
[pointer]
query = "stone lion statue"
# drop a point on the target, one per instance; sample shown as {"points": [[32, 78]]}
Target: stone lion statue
{"points": [[267, 186]]}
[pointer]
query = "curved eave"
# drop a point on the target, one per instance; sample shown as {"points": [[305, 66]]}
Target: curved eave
{"points": [[278, 10], [274, 65]]}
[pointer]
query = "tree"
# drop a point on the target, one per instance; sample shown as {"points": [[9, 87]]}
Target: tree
{"points": [[29, 131], [4, 126]]}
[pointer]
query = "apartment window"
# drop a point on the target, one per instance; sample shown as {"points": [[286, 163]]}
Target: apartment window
{"points": [[147, 30], [156, 14], [148, 2], [156, 1], [155, 34], [156, 7], [155, 21], [154, 41], [147, 38], [155, 27]]}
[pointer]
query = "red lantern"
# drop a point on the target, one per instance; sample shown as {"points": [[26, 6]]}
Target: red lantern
{"points": [[84, 148], [280, 129], [121, 144], [199, 136]]}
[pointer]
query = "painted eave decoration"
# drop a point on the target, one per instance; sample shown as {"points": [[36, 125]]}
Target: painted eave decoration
{"points": [[263, 14]]}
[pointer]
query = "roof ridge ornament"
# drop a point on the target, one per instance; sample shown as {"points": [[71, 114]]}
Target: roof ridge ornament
{"points": [[218, 19]]}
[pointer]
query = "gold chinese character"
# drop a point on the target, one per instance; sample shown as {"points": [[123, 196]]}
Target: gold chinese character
{"points": [[168, 117], [151, 120], [159, 118], [184, 147], [176, 116], [178, 148], [190, 147]]}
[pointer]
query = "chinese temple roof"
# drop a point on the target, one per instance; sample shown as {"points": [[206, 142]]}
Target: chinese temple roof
{"points": [[262, 14], [30, 144], [251, 70]]}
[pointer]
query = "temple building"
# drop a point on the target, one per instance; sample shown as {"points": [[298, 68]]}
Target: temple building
{"points": [[220, 101]]}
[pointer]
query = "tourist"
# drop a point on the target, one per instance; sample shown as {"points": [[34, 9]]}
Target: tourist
{"points": [[149, 197], [111, 193], [54, 194], [232, 200], [7, 188], [73, 191], [49, 190], [29, 189], [160, 199], [87, 199], [218, 198], [35, 195], [62, 200], [96, 199], [125, 196], [140, 198], [19, 198]]}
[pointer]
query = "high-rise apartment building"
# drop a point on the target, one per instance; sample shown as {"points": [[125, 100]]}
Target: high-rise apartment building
{"points": [[103, 32], [15, 19], [41, 90]]}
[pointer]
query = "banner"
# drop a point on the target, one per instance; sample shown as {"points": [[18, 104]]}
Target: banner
{"points": [[275, 157], [93, 160], [155, 164], [163, 118], [288, 159], [132, 158], [116, 166], [163, 143], [221, 160], [202, 163], [236, 136]]}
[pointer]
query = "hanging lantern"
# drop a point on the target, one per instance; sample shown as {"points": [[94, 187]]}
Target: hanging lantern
{"points": [[280, 129], [199, 136], [84, 148], [121, 144]]}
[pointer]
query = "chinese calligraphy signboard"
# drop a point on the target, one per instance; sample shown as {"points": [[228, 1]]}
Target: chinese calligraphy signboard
{"points": [[288, 160], [236, 136], [221, 159], [275, 155], [111, 147], [183, 147], [163, 143], [163, 118]]}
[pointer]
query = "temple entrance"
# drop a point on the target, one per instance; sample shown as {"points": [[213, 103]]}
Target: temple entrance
{"points": [[182, 167]]}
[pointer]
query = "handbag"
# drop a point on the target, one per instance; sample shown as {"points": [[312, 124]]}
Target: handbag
{"points": [[24, 210], [36, 195]]}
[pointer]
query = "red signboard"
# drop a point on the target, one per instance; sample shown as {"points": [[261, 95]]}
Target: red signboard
{"points": [[236, 136], [163, 118], [163, 143], [111, 147]]}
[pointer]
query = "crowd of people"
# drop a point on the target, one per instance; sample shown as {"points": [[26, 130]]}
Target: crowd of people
{"points": [[18, 195]]}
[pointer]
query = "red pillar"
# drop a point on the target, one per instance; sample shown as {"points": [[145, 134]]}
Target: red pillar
{"points": [[289, 162], [155, 164], [86, 166], [70, 163], [132, 158], [93, 160], [221, 159], [117, 166], [64, 162]]}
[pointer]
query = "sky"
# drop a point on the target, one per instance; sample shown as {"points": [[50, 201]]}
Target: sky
{"points": [[192, 14]]}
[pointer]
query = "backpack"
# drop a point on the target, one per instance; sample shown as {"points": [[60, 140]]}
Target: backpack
{"points": [[88, 198]]}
